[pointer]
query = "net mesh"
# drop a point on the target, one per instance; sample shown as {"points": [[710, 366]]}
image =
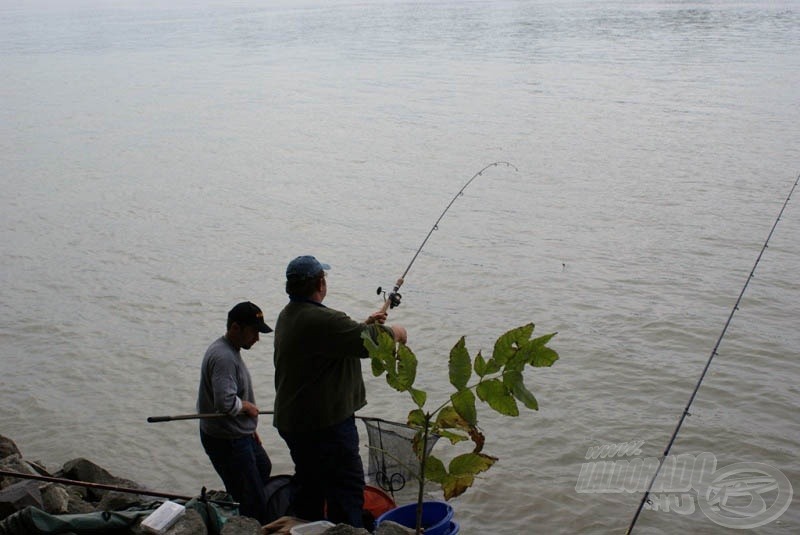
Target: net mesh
{"points": [[392, 461]]}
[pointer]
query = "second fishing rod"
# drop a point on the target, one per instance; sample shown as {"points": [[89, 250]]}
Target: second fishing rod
{"points": [[393, 299]]}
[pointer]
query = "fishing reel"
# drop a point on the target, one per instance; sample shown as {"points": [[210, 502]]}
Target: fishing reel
{"points": [[393, 297]]}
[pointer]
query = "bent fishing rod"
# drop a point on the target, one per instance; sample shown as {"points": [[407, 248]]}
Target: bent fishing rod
{"points": [[646, 497], [393, 299]]}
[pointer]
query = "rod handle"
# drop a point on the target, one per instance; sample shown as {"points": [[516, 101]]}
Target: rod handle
{"points": [[154, 419]]}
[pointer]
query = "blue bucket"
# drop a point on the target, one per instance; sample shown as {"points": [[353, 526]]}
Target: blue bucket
{"points": [[436, 517], [453, 529]]}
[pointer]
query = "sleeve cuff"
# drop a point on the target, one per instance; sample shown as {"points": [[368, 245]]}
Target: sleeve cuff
{"points": [[237, 407]]}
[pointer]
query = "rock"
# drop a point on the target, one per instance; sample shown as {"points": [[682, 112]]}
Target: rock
{"points": [[84, 470], [7, 447], [344, 529], [241, 525], [77, 505], [191, 523], [80, 493], [118, 501], [55, 499], [14, 463], [388, 527], [19, 496]]}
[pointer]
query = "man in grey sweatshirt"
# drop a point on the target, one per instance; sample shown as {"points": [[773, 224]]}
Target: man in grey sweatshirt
{"points": [[226, 388]]}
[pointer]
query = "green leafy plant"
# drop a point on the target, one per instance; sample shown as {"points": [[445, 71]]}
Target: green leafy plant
{"points": [[499, 383]]}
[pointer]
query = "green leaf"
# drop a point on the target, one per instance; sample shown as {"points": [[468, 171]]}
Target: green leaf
{"points": [[514, 381], [383, 358], [543, 357], [434, 469], [471, 463], [480, 365], [464, 404], [498, 397], [382, 348], [369, 343], [377, 367], [454, 438], [376, 354], [416, 418], [533, 352], [492, 366], [448, 418], [460, 365], [542, 340], [406, 367], [453, 486], [509, 343], [419, 396]]}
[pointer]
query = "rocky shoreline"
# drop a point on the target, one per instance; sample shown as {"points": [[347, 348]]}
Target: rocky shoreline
{"points": [[108, 498], [58, 498]]}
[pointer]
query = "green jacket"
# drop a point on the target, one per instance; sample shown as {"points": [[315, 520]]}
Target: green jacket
{"points": [[318, 354]]}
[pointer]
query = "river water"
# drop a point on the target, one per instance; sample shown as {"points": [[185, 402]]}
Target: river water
{"points": [[160, 162]]}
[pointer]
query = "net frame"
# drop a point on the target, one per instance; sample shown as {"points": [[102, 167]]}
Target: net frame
{"points": [[392, 461]]}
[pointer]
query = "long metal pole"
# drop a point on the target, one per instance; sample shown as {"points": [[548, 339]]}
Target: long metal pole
{"points": [[156, 419]]}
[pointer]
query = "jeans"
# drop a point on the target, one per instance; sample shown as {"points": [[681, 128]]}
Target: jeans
{"points": [[328, 471], [244, 467]]}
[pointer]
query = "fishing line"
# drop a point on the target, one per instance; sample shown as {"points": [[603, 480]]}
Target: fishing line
{"points": [[645, 498], [393, 299]]}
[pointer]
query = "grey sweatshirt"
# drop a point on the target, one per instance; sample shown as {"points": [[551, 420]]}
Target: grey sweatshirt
{"points": [[224, 383]]}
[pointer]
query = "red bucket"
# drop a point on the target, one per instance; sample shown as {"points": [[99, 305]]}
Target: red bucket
{"points": [[376, 501]]}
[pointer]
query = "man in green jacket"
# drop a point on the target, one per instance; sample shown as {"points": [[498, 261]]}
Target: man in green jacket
{"points": [[319, 388]]}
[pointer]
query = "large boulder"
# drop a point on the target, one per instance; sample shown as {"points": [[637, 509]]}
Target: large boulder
{"points": [[14, 463], [7, 447], [85, 470], [18, 496], [81, 469]]}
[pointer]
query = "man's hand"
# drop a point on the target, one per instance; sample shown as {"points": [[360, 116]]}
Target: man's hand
{"points": [[377, 317], [249, 409], [400, 333]]}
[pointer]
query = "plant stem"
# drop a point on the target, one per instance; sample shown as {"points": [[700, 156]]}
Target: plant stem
{"points": [[422, 460]]}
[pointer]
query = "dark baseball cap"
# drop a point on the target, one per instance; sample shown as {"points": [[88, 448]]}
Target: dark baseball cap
{"points": [[305, 267], [247, 313]]}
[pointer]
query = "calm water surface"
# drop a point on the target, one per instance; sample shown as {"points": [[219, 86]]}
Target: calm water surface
{"points": [[159, 164]]}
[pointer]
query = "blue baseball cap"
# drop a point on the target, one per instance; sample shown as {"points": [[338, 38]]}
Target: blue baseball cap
{"points": [[305, 267]]}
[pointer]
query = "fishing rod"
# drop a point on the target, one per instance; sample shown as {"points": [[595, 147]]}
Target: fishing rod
{"points": [[646, 497], [102, 486], [393, 299]]}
